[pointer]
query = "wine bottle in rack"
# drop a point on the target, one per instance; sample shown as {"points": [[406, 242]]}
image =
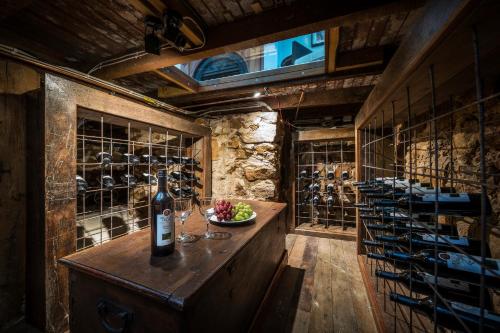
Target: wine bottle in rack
{"points": [[330, 201], [104, 158], [188, 161], [128, 180], [177, 159], [314, 188], [316, 174], [304, 174], [107, 182], [316, 200], [422, 283], [428, 240], [182, 175], [149, 159], [306, 199], [330, 174], [149, 179], [163, 220], [345, 175], [401, 228], [454, 204], [81, 185], [458, 265], [446, 317], [130, 159], [330, 189], [167, 160]]}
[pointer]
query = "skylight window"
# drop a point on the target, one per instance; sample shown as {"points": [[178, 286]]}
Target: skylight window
{"points": [[300, 50]]}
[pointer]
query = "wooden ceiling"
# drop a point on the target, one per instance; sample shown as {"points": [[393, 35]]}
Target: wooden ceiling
{"points": [[82, 34]]}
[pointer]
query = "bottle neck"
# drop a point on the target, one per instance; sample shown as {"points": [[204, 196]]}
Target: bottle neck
{"points": [[162, 184]]}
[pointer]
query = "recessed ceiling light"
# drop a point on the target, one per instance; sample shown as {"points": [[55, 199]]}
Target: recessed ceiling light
{"points": [[256, 94]]}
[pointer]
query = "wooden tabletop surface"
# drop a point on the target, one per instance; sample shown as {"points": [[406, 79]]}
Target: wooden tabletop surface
{"points": [[127, 262]]}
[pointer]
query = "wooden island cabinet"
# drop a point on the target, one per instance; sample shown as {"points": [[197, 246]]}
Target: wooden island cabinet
{"points": [[205, 286]]}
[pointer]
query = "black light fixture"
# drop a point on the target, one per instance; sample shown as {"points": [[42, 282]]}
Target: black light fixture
{"points": [[167, 28]]}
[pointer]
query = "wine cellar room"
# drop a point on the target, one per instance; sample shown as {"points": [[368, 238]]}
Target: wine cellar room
{"points": [[249, 166]]}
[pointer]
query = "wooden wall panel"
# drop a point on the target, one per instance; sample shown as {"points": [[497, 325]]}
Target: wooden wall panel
{"points": [[12, 206], [56, 127]]}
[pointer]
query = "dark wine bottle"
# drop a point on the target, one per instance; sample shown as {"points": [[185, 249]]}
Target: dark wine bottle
{"points": [[330, 189], [303, 174], [149, 159], [449, 288], [314, 188], [330, 174], [130, 159], [107, 182], [177, 159], [128, 180], [453, 264], [428, 240], [183, 192], [166, 160], [469, 315], [182, 175], [316, 200], [104, 158], [163, 221], [149, 179], [316, 174], [330, 201], [454, 204], [401, 228], [81, 185], [345, 175], [188, 161]]}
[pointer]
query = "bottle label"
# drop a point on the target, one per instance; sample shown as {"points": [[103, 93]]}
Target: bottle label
{"points": [[447, 197], [462, 262], [446, 283], [465, 308], [164, 232], [460, 241]]}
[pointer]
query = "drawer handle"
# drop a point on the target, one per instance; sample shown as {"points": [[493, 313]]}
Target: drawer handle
{"points": [[106, 308]]}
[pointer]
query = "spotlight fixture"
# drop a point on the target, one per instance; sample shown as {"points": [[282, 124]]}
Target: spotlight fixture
{"points": [[172, 29], [256, 94]]}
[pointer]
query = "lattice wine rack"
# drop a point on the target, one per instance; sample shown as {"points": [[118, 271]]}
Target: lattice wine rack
{"points": [[117, 162]]}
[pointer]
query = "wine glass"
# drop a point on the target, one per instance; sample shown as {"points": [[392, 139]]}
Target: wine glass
{"points": [[206, 206], [207, 209], [183, 208]]}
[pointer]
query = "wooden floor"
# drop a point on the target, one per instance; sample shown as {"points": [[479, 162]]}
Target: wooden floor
{"points": [[320, 291], [333, 231]]}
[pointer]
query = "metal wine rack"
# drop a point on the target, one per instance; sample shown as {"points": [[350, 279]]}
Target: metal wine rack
{"points": [[104, 214], [323, 156], [418, 140]]}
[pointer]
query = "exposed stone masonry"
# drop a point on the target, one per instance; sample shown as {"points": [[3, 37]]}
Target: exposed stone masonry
{"points": [[246, 156]]}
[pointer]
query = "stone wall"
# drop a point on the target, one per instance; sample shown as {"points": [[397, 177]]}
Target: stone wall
{"points": [[462, 162], [246, 156]]}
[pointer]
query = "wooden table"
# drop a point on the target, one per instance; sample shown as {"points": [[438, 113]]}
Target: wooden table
{"points": [[203, 286]]}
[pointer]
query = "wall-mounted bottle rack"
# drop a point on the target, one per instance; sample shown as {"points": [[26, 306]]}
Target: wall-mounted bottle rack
{"points": [[117, 162], [324, 195]]}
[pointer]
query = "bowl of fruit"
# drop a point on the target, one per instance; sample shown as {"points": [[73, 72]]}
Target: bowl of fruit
{"points": [[227, 214]]}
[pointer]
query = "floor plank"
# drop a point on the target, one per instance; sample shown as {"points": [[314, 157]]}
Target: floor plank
{"points": [[321, 291]]}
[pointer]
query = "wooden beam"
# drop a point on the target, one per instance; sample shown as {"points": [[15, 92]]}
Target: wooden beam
{"points": [[301, 17], [320, 98], [333, 43], [167, 92], [176, 76], [437, 21], [326, 134]]}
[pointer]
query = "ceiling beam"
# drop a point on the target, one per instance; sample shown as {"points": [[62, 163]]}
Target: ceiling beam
{"points": [[436, 22], [179, 78], [301, 17], [319, 98], [332, 43], [326, 134]]}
